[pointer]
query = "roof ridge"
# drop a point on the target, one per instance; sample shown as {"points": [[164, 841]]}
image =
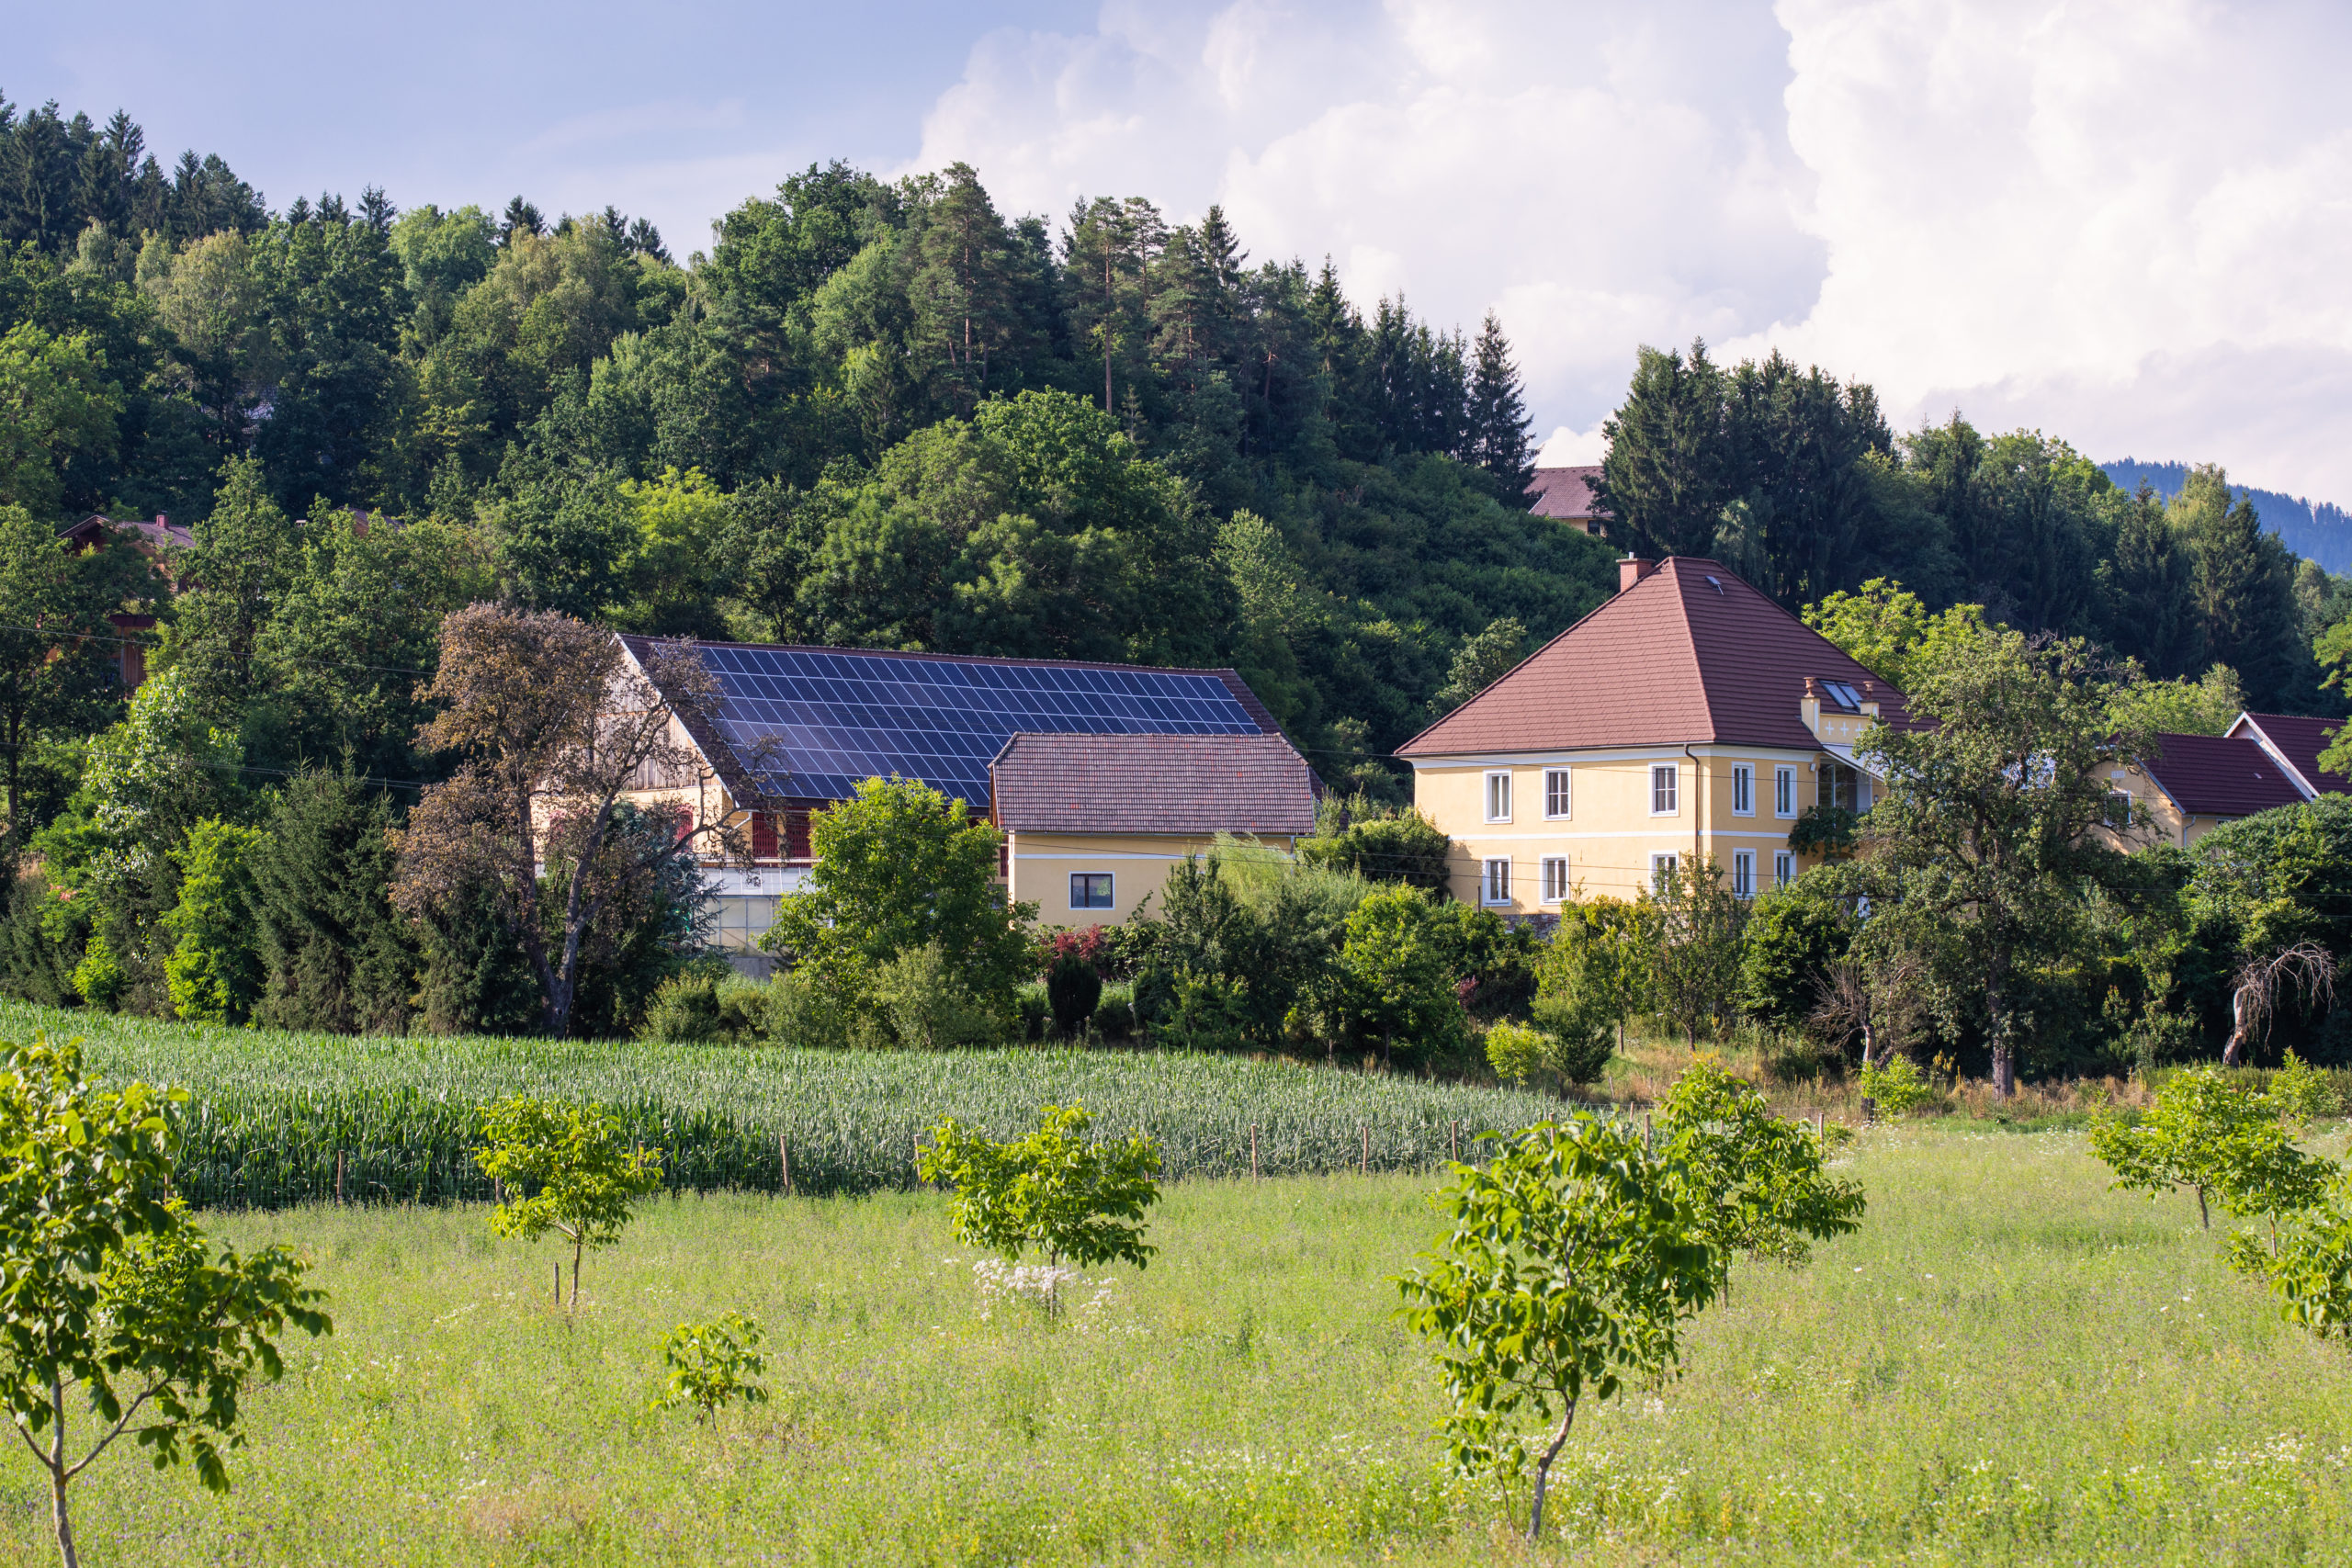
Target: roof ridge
{"points": [[1218, 670]]}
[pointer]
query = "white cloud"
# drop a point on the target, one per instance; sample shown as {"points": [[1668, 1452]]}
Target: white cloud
{"points": [[2124, 221]]}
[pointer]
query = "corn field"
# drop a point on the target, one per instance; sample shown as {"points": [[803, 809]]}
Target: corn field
{"points": [[276, 1118]]}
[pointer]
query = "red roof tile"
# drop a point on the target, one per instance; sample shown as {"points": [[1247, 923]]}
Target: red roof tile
{"points": [[2300, 741], [1151, 784], [2219, 776], [1690, 653], [1563, 493]]}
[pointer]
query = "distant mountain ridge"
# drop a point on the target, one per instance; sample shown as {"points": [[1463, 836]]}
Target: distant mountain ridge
{"points": [[2320, 531]]}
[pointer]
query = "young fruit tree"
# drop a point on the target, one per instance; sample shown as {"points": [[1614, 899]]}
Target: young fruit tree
{"points": [[115, 1311], [2308, 1263], [1574, 1260], [1050, 1190], [712, 1365], [587, 1179], [2219, 1140], [1761, 1182]]}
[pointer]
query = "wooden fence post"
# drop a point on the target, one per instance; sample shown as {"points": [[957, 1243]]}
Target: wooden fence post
{"points": [[1254, 1151], [783, 1156], [1364, 1168], [1453, 1141], [1648, 1140], [558, 1281], [338, 1178], [1821, 1131]]}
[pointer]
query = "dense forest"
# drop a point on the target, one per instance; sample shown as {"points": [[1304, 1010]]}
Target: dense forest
{"points": [[885, 413]]}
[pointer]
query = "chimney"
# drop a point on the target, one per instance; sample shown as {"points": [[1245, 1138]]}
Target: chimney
{"points": [[1632, 569], [162, 520]]}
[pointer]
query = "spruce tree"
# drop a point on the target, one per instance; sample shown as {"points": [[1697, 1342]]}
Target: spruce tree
{"points": [[1498, 423], [334, 954]]}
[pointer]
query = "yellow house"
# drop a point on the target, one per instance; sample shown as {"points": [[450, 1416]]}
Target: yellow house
{"points": [[1688, 719], [2190, 784], [796, 730], [1094, 823]]}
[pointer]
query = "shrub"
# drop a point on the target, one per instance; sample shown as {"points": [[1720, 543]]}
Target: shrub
{"points": [[802, 1012], [684, 1007], [213, 973], [1114, 1016], [743, 1008], [2214, 1137], [1036, 1008], [1407, 847], [1896, 1086], [712, 1365], [1397, 980], [922, 995], [2309, 1265], [1074, 989]]}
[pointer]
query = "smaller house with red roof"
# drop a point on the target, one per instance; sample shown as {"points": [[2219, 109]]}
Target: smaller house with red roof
{"points": [[1566, 494], [1690, 718], [2193, 783]]}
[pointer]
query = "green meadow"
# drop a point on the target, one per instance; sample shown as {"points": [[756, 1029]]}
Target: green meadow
{"points": [[2009, 1363]]}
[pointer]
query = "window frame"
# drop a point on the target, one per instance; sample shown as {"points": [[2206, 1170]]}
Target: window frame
{"points": [[1566, 795], [1784, 790], [1662, 860], [1552, 888], [1670, 774], [1743, 788], [1110, 889], [1492, 774], [1743, 874], [1494, 881], [2119, 805], [1784, 867]]}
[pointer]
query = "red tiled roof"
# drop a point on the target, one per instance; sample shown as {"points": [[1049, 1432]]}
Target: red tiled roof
{"points": [[1151, 784], [161, 534], [2299, 740], [1689, 653], [1563, 493], [2220, 776]]}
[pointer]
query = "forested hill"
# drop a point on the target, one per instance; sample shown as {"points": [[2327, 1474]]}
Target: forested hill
{"points": [[886, 414], [2316, 530]]}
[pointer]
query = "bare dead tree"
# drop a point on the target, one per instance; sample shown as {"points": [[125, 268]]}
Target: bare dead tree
{"points": [[1881, 1005], [2303, 968], [557, 724]]}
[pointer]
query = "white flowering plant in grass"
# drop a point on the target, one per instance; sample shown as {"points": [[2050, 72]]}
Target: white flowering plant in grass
{"points": [[1051, 1190]]}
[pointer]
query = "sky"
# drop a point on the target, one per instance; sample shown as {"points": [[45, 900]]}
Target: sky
{"points": [[2124, 222]]}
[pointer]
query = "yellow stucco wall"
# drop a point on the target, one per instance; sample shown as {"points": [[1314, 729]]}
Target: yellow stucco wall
{"points": [[1609, 835], [1137, 865], [2167, 823]]}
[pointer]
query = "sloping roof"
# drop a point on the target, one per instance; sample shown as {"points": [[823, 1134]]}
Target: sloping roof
{"points": [[2220, 776], [161, 534], [2298, 740], [1563, 493], [1152, 783], [1689, 654], [807, 725]]}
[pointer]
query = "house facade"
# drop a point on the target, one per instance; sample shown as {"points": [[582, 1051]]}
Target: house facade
{"points": [[1094, 823], [796, 730], [2190, 784], [1566, 494], [1689, 717]]}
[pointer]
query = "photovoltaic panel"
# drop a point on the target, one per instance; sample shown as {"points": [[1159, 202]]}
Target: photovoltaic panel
{"points": [[814, 723]]}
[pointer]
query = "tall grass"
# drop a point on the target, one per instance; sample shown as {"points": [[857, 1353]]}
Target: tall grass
{"points": [[272, 1113]]}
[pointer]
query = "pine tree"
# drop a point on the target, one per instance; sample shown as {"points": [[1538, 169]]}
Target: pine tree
{"points": [[1498, 425], [332, 955]]}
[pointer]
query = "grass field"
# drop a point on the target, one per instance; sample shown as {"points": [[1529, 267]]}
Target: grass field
{"points": [[2007, 1364]]}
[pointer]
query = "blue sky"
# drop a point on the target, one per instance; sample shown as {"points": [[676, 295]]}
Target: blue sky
{"points": [[2122, 221]]}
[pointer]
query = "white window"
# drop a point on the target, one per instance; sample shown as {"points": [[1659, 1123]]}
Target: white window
{"points": [[1784, 868], [2119, 808], [1743, 874], [1499, 797], [1555, 792], [1784, 792], [1495, 882], [1661, 867], [1090, 890], [1555, 879], [1662, 790], [1742, 790]]}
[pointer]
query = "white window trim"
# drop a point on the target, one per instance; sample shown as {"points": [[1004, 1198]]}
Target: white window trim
{"points": [[1488, 785], [1659, 863], [1486, 881], [1740, 770], [1112, 876], [1674, 772], [1544, 884], [1567, 795], [1784, 774], [1783, 861], [1743, 861]]}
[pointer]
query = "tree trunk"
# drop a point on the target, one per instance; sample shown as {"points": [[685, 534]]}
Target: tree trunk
{"points": [[2233, 1053], [56, 1467], [579, 1245], [2005, 1065], [1544, 1472], [2204, 1216]]}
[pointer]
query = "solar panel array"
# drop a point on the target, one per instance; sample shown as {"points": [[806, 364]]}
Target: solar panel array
{"points": [[813, 723]]}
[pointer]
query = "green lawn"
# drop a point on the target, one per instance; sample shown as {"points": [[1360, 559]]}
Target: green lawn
{"points": [[2007, 1364]]}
